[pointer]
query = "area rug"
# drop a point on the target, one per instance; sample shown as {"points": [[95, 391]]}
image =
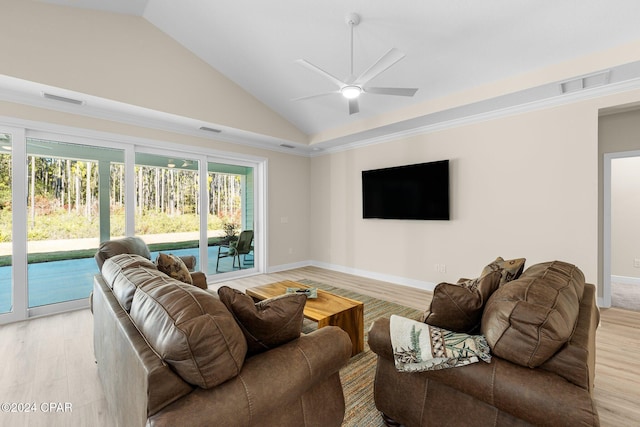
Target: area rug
{"points": [[357, 377]]}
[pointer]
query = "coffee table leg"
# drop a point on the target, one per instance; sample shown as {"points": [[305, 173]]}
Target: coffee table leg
{"points": [[352, 322]]}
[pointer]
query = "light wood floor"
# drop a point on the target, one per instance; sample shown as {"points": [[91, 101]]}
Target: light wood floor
{"points": [[50, 359]]}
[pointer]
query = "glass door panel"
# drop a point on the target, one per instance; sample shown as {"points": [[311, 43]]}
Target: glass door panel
{"points": [[167, 214], [73, 191], [6, 225], [231, 210]]}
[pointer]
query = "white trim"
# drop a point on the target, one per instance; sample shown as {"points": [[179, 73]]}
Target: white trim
{"points": [[606, 225], [625, 280], [492, 114], [58, 307], [398, 280], [19, 297], [544, 96]]}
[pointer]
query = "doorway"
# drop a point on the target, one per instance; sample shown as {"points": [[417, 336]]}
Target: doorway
{"points": [[621, 233]]}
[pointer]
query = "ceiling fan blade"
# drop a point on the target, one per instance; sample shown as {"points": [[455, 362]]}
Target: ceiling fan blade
{"points": [[353, 106], [317, 95], [320, 71], [387, 60], [397, 91]]}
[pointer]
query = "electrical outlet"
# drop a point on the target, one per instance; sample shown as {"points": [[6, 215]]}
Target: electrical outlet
{"points": [[636, 263]]}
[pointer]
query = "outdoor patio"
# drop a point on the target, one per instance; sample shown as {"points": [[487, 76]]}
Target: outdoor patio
{"points": [[66, 280]]}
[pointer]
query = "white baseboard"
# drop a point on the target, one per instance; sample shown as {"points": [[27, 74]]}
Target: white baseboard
{"points": [[285, 267], [625, 280], [398, 280]]}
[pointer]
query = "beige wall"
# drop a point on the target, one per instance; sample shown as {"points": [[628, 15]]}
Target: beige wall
{"points": [[521, 186], [125, 58], [527, 185]]}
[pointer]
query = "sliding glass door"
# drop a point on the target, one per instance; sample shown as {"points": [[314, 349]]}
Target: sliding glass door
{"points": [[61, 195], [6, 224], [231, 211], [167, 212], [171, 211], [74, 198]]}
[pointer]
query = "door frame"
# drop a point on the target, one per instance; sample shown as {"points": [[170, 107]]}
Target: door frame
{"points": [[606, 229]]}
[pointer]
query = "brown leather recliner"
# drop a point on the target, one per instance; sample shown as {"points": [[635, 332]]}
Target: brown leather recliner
{"points": [[528, 381]]}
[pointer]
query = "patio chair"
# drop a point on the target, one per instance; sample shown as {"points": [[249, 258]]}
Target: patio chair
{"points": [[242, 247]]}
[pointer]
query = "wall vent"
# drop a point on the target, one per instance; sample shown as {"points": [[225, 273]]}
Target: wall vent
{"points": [[62, 98], [586, 82], [208, 129]]}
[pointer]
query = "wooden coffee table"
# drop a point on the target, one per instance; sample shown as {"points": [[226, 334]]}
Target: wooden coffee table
{"points": [[327, 309]]}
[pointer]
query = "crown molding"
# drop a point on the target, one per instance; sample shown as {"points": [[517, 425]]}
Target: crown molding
{"points": [[619, 79]]}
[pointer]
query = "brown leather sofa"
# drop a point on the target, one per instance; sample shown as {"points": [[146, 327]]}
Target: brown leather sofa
{"points": [[541, 329], [171, 354]]}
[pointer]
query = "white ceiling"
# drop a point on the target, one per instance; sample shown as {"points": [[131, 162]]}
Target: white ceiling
{"points": [[450, 46]]}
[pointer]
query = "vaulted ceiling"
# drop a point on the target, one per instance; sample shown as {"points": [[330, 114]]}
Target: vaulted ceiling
{"points": [[450, 46]]}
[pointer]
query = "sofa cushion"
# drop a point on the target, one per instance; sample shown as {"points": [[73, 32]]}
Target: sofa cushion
{"points": [[124, 273], [191, 330], [126, 245], [174, 267], [529, 319], [266, 324], [509, 270], [458, 307]]}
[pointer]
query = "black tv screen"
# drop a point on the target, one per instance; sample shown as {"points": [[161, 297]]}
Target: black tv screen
{"points": [[419, 191]]}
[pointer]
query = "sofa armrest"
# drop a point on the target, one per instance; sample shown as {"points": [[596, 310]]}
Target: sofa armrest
{"points": [[199, 279], [268, 382], [189, 261], [380, 338]]}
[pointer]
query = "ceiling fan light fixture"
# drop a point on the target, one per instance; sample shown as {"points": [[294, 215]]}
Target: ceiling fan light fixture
{"points": [[351, 91]]}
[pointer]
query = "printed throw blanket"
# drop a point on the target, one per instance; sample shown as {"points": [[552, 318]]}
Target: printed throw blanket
{"points": [[421, 347]]}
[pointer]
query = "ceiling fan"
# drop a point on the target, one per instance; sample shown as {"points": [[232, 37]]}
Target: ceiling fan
{"points": [[354, 86]]}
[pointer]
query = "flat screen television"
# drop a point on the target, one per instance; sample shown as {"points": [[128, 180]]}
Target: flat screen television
{"points": [[419, 191]]}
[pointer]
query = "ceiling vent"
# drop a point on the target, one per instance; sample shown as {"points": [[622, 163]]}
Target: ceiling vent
{"points": [[287, 146], [62, 98], [586, 82], [208, 129]]}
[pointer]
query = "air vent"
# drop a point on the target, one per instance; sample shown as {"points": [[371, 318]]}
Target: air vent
{"points": [[208, 129], [586, 82], [287, 146], [62, 98]]}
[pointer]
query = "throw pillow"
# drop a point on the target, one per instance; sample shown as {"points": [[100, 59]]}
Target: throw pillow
{"points": [[458, 307], [173, 266], [266, 324], [509, 269]]}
